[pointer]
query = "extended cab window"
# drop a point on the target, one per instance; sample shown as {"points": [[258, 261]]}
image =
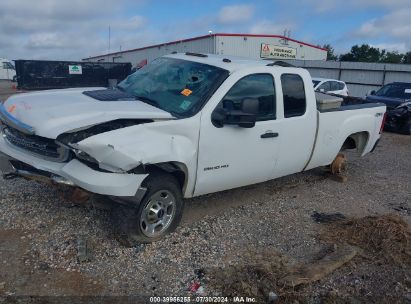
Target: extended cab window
{"points": [[294, 95], [258, 86]]}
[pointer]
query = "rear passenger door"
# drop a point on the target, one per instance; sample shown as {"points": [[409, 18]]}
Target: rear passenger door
{"points": [[297, 122]]}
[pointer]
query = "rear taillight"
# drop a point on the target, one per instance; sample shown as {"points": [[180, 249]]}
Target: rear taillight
{"points": [[383, 122]]}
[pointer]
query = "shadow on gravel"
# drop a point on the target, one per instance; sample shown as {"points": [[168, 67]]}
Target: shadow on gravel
{"points": [[383, 244]]}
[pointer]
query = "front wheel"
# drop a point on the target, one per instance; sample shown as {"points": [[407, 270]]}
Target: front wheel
{"points": [[158, 214]]}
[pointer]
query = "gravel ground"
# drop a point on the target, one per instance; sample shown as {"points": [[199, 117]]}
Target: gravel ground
{"points": [[6, 89], [40, 232]]}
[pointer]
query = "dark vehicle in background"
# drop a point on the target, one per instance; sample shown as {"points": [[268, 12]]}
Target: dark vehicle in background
{"points": [[43, 74], [397, 97]]}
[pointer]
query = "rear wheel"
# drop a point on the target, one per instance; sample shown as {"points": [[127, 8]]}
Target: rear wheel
{"points": [[158, 214]]}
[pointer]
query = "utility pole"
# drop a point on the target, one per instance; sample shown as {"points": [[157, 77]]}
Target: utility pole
{"points": [[109, 38]]}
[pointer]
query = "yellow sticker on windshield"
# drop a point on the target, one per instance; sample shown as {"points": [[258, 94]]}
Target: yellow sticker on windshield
{"points": [[186, 92]]}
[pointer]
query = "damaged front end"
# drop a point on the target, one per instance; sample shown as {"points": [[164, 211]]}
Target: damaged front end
{"points": [[104, 156], [61, 162], [399, 119]]}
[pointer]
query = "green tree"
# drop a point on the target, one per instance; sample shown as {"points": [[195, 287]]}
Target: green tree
{"points": [[362, 53], [391, 57], [407, 58], [330, 52]]}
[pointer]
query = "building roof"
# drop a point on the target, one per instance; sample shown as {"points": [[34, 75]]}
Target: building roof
{"points": [[207, 36], [233, 63]]}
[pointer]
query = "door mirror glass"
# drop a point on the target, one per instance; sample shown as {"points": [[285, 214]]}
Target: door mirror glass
{"points": [[250, 106], [228, 115], [249, 109], [371, 92]]}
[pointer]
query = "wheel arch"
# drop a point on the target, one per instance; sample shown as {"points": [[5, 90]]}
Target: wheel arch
{"points": [[357, 141], [177, 169]]}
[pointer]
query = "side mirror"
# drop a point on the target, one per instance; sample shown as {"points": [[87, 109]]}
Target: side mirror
{"points": [[227, 115], [218, 117], [371, 92], [249, 109]]}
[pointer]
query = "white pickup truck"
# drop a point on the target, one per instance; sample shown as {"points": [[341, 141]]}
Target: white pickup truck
{"points": [[182, 126]]}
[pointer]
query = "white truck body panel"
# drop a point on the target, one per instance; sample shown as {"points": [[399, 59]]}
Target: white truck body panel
{"points": [[212, 159], [7, 71], [54, 112]]}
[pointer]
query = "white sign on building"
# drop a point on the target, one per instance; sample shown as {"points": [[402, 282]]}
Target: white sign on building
{"points": [[75, 69], [277, 52]]}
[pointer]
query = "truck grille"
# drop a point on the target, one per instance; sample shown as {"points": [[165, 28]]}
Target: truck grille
{"points": [[41, 146]]}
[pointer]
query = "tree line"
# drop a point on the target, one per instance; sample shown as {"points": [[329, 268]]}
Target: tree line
{"points": [[367, 53]]}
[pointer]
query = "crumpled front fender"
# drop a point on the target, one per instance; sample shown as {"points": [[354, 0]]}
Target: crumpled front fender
{"points": [[167, 141]]}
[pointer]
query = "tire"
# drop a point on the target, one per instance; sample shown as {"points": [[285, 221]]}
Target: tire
{"points": [[135, 225], [407, 127]]}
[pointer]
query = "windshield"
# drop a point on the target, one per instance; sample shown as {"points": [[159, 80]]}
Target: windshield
{"points": [[392, 90], [177, 86], [8, 65], [316, 82]]}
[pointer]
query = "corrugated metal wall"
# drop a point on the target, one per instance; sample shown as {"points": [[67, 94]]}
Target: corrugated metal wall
{"points": [[360, 77], [203, 45], [246, 46], [243, 46]]}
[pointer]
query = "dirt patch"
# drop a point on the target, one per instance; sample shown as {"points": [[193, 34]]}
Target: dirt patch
{"points": [[385, 237], [23, 274], [384, 241]]}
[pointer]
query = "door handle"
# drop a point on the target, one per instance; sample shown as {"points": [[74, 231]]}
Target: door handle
{"points": [[269, 135]]}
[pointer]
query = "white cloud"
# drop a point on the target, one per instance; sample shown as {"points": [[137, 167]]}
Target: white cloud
{"points": [[344, 6], [134, 23], [67, 30], [393, 26], [235, 14], [391, 47], [268, 27]]}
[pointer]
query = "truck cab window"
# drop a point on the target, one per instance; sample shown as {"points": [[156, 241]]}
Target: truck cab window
{"points": [[8, 65], [258, 86], [294, 95]]}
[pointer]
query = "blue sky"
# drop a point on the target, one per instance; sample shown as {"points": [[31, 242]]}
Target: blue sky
{"points": [[56, 29]]}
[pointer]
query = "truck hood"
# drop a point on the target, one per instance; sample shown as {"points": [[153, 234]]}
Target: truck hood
{"points": [[53, 112]]}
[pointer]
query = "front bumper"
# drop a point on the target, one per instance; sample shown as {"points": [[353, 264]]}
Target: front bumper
{"points": [[72, 173]]}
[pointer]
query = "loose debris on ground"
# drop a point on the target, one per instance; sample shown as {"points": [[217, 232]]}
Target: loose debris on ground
{"points": [[50, 246], [385, 237], [321, 217], [380, 239]]}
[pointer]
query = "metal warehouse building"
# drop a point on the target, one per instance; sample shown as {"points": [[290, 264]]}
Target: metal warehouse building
{"points": [[244, 45]]}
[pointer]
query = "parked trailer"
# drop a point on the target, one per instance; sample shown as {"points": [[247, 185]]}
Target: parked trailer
{"points": [[41, 74]]}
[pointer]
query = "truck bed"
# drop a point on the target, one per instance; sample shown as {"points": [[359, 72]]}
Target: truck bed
{"points": [[336, 124], [333, 102]]}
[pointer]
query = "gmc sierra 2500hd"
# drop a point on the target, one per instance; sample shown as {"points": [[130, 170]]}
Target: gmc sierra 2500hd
{"points": [[182, 126]]}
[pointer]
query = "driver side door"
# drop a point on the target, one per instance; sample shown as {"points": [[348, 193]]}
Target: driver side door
{"points": [[233, 156]]}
